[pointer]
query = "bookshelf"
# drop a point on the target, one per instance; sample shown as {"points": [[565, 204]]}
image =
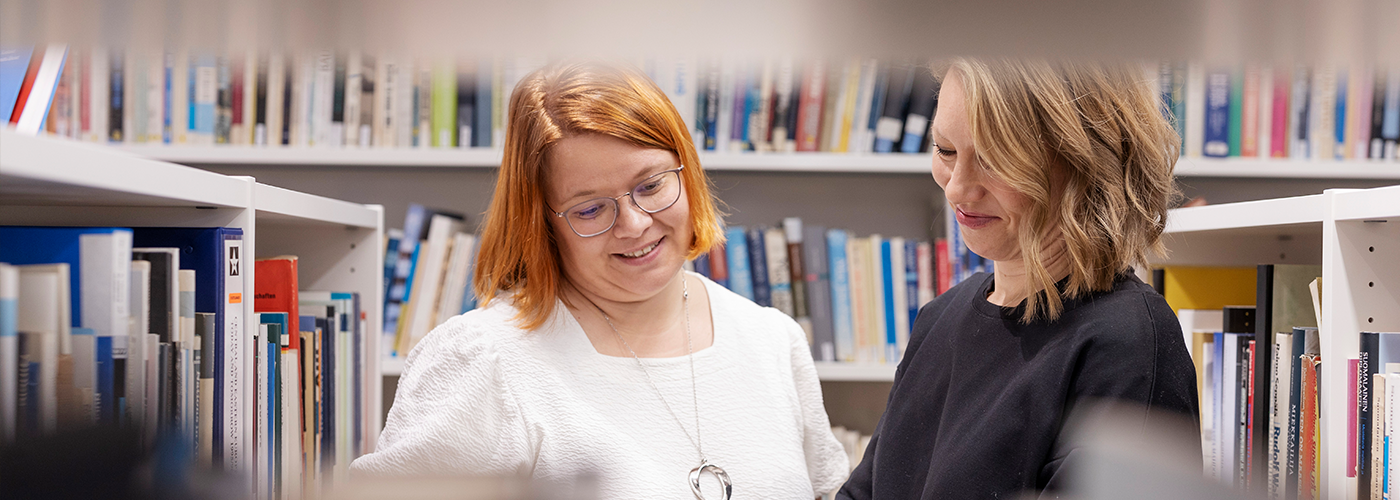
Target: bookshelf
{"points": [[479, 158], [48, 181], [1354, 235]]}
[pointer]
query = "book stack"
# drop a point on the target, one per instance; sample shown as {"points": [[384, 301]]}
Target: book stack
{"points": [[141, 328]]}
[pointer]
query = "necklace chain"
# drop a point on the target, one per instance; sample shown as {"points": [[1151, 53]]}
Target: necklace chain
{"points": [[690, 354]]}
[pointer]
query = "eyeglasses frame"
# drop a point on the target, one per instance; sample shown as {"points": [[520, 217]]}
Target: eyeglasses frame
{"points": [[629, 196]]}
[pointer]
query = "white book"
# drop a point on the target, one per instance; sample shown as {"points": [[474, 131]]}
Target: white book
{"points": [[132, 98], [139, 312], [185, 344], [1230, 402], [303, 92], [1195, 321], [42, 317], [291, 439], [1195, 109], [31, 120], [9, 352], [98, 89], [760, 120], [900, 299], [927, 277], [323, 99], [1209, 403], [1322, 113], [236, 360], [104, 277], [403, 103], [155, 96], [724, 122], [179, 63], [1280, 386], [684, 94], [875, 302], [459, 268], [861, 141], [262, 450], [276, 88], [353, 84], [385, 92], [427, 289], [205, 77]]}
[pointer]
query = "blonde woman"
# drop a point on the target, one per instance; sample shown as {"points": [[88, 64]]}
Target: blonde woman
{"points": [[1061, 173]]}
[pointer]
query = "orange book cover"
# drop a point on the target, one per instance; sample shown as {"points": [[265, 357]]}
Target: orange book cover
{"points": [[275, 291]]}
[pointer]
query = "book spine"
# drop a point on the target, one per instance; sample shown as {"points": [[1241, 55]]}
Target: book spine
{"points": [[1376, 149], [1353, 393], [1340, 118], [792, 234], [1249, 112], [889, 128], [943, 265], [1298, 120], [922, 101], [1379, 441], [116, 105], [1217, 120], [758, 265], [911, 292], [1390, 128], [887, 304], [809, 112], [1195, 109], [1366, 366], [350, 109], [1323, 114], [1278, 125], [229, 421], [740, 275], [1236, 110], [444, 105], [1291, 479], [836, 244]]}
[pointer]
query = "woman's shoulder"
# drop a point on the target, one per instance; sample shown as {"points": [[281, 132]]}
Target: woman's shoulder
{"points": [[1131, 311], [478, 336], [739, 310]]}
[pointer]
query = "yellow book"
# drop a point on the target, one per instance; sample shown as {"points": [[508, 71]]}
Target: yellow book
{"points": [[1208, 287]]}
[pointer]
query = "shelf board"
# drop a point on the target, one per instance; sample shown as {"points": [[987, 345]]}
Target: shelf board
{"points": [[47, 171], [917, 164], [278, 204], [1376, 203], [1244, 215], [826, 371]]}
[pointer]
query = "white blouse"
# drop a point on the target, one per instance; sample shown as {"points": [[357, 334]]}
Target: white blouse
{"points": [[481, 396]]}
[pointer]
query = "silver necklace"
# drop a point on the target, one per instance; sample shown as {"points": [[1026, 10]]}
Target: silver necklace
{"points": [[727, 487]]}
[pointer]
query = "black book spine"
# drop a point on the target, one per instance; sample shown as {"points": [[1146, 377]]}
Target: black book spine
{"points": [[338, 94], [1377, 146], [1263, 354], [923, 98], [758, 267], [890, 127], [117, 83], [287, 102], [1245, 348], [1290, 483]]}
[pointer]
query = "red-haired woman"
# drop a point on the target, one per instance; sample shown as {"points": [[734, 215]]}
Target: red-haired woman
{"points": [[594, 352]]}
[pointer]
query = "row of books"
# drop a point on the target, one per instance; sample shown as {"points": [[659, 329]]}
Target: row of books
{"points": [[427, 275], [143, 328], [855, 296], [851, 105], [1301, 112]]}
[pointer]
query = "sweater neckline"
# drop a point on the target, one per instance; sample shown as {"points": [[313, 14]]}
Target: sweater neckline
{"points": [[573, 330]]}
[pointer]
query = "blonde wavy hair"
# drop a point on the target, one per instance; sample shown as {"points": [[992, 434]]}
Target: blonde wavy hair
{"points": [[1091, 134]]}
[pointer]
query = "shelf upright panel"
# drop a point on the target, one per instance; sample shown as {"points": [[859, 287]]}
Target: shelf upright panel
{"points": [[1360, 292], [340, 247]]}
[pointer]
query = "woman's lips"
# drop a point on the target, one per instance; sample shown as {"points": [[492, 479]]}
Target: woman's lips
{"points": [[974, 220]]}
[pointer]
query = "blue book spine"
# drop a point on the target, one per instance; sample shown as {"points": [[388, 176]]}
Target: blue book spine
{"points": [[737, 256], [708, 105], [887, 271], [114, 101], [840, 294], [1217, 117], [758, 265], [702, 265], [911, 279], [1390, 124], [204, 99], [481, 132], [167, 134], [751, 101], [106, 388], [877, 100], [14, 64], [1340, 123], [391, 259]]}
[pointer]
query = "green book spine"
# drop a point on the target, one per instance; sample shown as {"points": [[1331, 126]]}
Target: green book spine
{"points": [[1236, 103], [444, 106], [1179, 103]]}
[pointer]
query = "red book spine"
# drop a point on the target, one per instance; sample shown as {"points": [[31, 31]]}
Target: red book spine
{"points": [[84, 97], [1249, 113], [1278, 137], [236, 91], [809, 107], [275, 291], [1249, 418], [719, 267], [943, 265], [24, 88]]}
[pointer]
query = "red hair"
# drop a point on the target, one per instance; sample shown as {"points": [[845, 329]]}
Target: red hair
{"points": [[519, 256]]}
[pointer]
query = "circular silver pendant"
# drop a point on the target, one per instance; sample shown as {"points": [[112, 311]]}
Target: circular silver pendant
{"points": [[705, 465]]}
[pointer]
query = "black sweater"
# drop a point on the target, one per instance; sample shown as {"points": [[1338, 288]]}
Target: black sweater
{"points": [[979, 401]]}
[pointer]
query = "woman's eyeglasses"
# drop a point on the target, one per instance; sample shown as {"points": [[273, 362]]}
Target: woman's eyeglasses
{"points": [[597, 216]]}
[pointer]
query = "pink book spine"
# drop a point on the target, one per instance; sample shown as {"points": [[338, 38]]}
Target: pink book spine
{"points": [[1279, 140], [1362, 116], [1352, 366], [84, 100]]}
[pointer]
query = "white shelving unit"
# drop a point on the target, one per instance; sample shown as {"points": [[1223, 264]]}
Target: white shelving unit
{"points": [[1354, 235], [738, 162], [48, 181]]}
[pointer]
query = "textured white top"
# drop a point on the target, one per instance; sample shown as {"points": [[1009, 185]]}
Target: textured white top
{"points": [[480, 396]]}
